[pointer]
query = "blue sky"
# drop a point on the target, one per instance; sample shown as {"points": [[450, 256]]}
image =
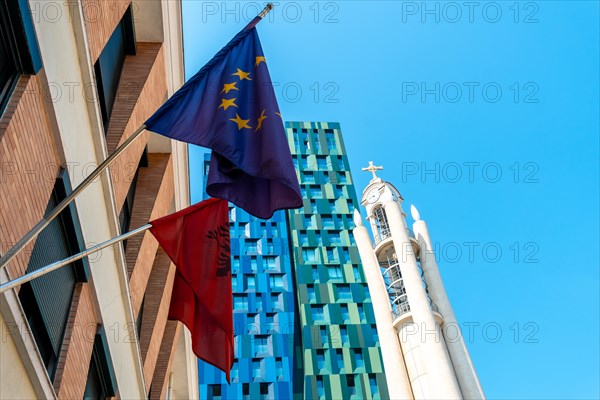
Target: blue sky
{"points": [[486, 118]]}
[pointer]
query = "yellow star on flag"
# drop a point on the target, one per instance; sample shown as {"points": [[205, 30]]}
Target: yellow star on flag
{"points": [[229, 86], [243, 75], [241, 123], [278, 114], [260, 121], [260, 59], [226, 103]]}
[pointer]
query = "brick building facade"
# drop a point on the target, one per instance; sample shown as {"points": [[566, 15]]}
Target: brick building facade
{"points": [[76, 79]]}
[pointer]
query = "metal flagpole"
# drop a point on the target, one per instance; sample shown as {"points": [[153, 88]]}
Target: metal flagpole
{"points": [[68, 200], [86, 182], [56, 265]]}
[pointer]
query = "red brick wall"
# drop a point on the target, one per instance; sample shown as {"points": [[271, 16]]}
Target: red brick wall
{"points": [[153, 197], [160, 380], [142, 90], [156, 311], [29, 164], [74, 361], [101, 18]]}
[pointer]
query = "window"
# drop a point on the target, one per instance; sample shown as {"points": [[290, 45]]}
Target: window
{"points": [[320, 388], [235, 263], [251, 282], [276, 282], [339, 356], [315, 192], [240, 302], [331, 255], [245, 389], [306, 221], [9, 73], [309, 177], [235, 373], [215, 391], [361, 312], [127, 208], [19, 51], [335, 272], [344, 292], [356, 273], [344, 334], [270, 263], [255, 369], [276, 305], [317, 147], [261, 344], [279, 369], [310, 290], [253, 264], [270, 322], [101, 382], [350, 384], [110, 64], [252, 246], [335, 237], [309, 255], [373, 384], [345, 313], [317, 313], [374, 334], [330, 138], [302, 238], [315, 273], [264, 389], [322, 163], [327, 221], [358, 357], [320, 359], [47, 299], [323, 332], [346, 254]]}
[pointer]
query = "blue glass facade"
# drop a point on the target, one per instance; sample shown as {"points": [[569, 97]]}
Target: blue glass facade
{"points": [[263, 298]]}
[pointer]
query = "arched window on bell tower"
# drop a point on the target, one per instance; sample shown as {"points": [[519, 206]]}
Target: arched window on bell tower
{"points": [[382, 228]]}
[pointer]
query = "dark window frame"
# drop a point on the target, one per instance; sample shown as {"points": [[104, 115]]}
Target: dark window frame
{"points": [[126, 46], [19, 47], [39, 321]]}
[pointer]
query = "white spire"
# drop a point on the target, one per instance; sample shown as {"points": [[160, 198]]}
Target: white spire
{"points": [[415, 213], [357, 218]]}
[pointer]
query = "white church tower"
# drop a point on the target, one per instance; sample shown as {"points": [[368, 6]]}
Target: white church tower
{"points": [[424, 353]]}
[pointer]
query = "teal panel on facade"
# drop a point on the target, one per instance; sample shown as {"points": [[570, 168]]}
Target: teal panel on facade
{"points": [[337, 353]]}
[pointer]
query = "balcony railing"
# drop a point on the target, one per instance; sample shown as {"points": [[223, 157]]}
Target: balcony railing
{"points": [[386, 233]]}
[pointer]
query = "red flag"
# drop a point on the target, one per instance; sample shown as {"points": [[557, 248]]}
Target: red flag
{"points": [[197, 241]]}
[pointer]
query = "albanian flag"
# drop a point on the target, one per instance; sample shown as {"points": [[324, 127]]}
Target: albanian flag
{"points": [[197, 241]]}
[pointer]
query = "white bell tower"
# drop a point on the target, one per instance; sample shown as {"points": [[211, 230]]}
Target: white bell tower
{"points": [[424, 354]]}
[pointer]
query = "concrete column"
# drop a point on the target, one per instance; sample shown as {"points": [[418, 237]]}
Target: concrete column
{"points": [[440, 372], [463, 366], [395, 370]]}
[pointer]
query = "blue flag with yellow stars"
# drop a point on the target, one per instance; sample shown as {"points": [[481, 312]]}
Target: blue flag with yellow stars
{"points": [[229, 106]]}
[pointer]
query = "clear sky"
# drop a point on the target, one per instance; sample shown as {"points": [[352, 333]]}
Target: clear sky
{"points": [[485, 116]]}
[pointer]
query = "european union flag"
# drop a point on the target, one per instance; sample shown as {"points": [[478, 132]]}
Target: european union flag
{"points": [[229, 106]]}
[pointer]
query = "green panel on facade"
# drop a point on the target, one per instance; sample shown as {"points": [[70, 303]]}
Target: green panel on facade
{"points": [[339, 344]]}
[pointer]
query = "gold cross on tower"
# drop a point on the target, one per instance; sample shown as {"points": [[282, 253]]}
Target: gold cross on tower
{"points": [[372, 169]]}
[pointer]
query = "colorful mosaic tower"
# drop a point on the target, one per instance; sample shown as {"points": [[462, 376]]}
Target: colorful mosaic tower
{"points": [[263, 302], [337, 352]]}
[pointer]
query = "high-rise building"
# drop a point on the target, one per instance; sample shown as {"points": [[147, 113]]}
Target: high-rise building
{"points": [[337, 335], [303, 318], [76, 79], [424, 353], [263, 310]]}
